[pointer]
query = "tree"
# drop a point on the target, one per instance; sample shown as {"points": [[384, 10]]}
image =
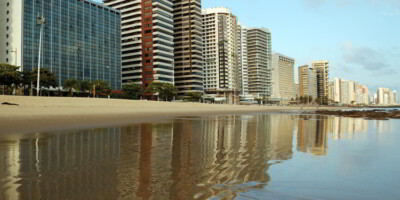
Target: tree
{"points": [[85, 86], [101, 87], [47, 79], [166, 91], [322, 100], [70, 85], [305, 99], [26, 79], [194, 96], [132, 91], [9, 75]]}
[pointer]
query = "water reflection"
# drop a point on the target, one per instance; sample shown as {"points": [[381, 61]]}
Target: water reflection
{"points": [[179, 159]]}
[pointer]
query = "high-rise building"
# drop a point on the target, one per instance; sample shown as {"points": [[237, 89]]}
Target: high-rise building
{"points": [[386, 96], [188, 46], [81, 39], [283, 77], [242, 59], [322, 70], [336, 90], [307, 82], [361, 94], [259, 50], [347, 92], [220, 51], [147, 33]]}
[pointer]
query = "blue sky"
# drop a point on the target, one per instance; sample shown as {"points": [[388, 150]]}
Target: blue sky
{"points": [[361, 38]]}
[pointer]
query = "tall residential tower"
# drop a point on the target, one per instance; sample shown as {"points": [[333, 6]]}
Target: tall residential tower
{"points": [[147, 33], [259, 51], [322, 70], [283, 77], [220, 52], [188, 46]]}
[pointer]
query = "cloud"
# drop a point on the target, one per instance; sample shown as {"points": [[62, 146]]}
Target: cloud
{"points": [[369, 59]]}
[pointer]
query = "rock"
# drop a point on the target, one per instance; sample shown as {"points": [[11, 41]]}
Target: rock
{"points": [[9, 104], [366, 114]]}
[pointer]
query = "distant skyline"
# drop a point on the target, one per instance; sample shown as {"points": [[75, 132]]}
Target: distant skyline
{"points": [[360, 38]]}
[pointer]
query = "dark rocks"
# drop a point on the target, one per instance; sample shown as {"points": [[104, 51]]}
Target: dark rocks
{"points": [[367, 114], [9, 104]]}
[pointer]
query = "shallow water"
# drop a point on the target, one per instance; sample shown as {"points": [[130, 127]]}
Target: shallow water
{"points": [[218, 157]]}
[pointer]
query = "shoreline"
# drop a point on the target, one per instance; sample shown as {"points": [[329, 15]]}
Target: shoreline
{"points": [[45, 114]]}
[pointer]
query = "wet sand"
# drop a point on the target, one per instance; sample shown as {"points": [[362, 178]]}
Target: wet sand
{"points": [[39, 114]]}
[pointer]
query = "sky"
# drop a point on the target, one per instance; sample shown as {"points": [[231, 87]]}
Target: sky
{"points": [[360, 38]]}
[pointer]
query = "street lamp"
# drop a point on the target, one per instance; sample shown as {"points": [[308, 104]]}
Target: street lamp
{"points": [[40, 21], [308, 97]]}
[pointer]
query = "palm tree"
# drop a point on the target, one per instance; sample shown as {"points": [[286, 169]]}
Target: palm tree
{"points": [[70, 85], [85, 86]]}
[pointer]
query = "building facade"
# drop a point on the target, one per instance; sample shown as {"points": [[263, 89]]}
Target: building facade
{"points": [[307, 82], [81, 39], [322, 70], [336, 90], [220, 51], [147, 33], [259, 55], [188, 46], [242, 60], [283, 77], [386, 96]]}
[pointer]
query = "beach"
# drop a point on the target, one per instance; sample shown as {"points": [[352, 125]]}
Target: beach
{"points": [[39, 114]]}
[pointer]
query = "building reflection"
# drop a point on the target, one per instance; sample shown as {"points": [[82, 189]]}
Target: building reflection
{"points": [[313, 132], [177, 159], [312, 135], [70, 165]]}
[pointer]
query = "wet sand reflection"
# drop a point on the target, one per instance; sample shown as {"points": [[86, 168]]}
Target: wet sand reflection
{"points": [[179, 159]]}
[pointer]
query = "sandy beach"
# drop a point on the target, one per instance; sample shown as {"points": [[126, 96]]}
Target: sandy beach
{"points": [[39, 114]]}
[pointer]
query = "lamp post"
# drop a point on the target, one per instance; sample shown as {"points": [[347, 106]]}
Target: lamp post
{"points": [[40, 21], [308, 97]]}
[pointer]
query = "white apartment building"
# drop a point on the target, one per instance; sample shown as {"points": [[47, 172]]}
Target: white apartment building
{"points": [[349, 92], [386, 96], [147, 35], [283, 77], [11, 33], [242, 59], [336, 90], [220, 50], [347, 95]]}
